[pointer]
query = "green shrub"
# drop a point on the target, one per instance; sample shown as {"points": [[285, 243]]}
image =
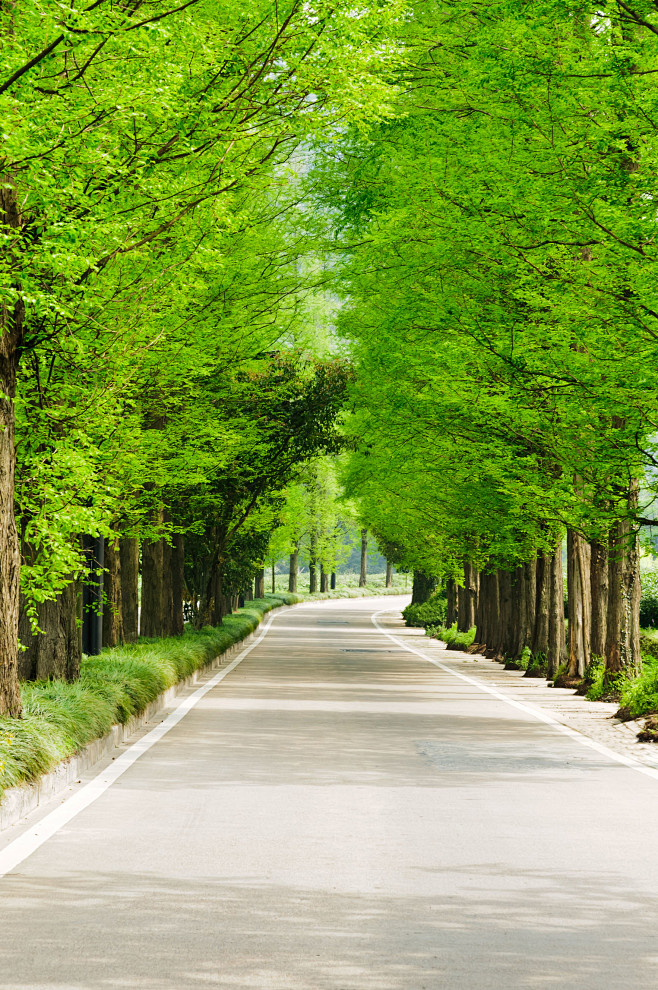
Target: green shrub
{"points": [[649, 600], [429, 613], [60, 718], [451, 636]]}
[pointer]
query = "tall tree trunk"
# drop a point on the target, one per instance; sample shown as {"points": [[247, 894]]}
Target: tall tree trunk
{"points": [[451, 594], [557, 652], [422, 588], [483, 611], [599, 591], [167, 620], [363, 576], [312, 565], [461, 608], [505, 613], [389, 574], [293, 571], [273, 577], [542, 607], [622, 653], [177, 584], [152, 588], [324, 579], [259, 590], [55, 651], [579, 603], [333, 581], [471, 583], [129, 555], [11, 336], [112, 605]]}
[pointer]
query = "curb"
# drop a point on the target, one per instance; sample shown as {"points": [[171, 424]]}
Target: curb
{"points": [[18, 802]]}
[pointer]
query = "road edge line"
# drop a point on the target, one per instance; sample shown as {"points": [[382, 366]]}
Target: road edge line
{"points": [[537, 713]]}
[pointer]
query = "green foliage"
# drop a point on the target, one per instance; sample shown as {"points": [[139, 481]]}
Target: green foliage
{"points": [[431, 612], [60, 717], [649, 600], [451, 636]]}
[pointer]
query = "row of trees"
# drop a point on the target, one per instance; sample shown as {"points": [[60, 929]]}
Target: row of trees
{"points": [[495, 244], [155, 377]]}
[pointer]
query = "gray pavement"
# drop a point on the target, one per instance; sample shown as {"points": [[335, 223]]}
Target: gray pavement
{"points": [[339, 813]]}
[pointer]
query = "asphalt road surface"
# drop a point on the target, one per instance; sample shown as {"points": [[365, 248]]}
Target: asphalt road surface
{"points": [[340, 813]]}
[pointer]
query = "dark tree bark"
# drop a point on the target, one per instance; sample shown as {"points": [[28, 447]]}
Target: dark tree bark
{"points": [[249, 593], [273, 577], [505, 627], [471, 586], [56, 650], [579, 603], [451, 595], [112, 605], [622, 653], [363, 576], [389, 574], [483, 611], [11, 337], [294, 570], [129, 558], [167, 620], [152, 588], [312, 566], [324, 579], [333, 581], [177, 584], [542, 607], [557, 651], [599, 591], [422, 588], [259, 589], [461, 608]]}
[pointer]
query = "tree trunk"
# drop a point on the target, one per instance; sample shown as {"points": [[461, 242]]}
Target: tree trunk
{"points": [[451, 594], [56, 650], [622, 653], [461, 608], [112, 604], [177, 584], [273, 577], [504, 613], [167, 620], [333, 581], [129, 560], [324, 579], [259, 590], [363, 576], [471, 583], [152, 588], [579, 603], [294, 569], [542, 607], [11, 336], [483, 611], [557, 652], [389, 574], [312, 566], [599, 592], [422, 588]]}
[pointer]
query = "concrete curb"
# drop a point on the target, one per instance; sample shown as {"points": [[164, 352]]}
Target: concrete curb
{"points": [[17, 802]]}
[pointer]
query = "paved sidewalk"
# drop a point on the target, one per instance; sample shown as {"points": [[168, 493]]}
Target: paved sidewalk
{"points": [[595, 719]]}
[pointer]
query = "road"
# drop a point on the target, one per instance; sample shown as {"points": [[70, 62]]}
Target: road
{"points": [[340, 813]]}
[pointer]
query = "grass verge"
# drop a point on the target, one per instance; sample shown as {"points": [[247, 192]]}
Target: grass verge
{"points": [[370, 591], [451, 636], [59, 718]]}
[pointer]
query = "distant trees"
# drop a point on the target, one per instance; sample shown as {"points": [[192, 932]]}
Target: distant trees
{"points": [[498, 271]]}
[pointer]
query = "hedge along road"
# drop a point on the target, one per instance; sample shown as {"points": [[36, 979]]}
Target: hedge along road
{"points": [[338, 812]]}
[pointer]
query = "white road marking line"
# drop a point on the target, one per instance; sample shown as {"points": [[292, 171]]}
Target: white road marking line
{"points": [[27, 843], [627, 761]]}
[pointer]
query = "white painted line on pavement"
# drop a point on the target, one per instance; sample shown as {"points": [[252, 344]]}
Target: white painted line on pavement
{"points": [[627, 761], [27, 843]]}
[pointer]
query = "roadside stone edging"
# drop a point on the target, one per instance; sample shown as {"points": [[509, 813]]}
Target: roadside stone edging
{"points": [[18, 802]]}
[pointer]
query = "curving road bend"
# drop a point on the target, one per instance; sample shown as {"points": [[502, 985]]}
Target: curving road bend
{"points": [[340, 813]]}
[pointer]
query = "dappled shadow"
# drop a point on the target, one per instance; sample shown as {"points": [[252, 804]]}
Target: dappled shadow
{"points": [[533, 929]]}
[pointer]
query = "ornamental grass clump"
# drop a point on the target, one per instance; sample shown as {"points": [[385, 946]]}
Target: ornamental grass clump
{"points": [[59, 717]]}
